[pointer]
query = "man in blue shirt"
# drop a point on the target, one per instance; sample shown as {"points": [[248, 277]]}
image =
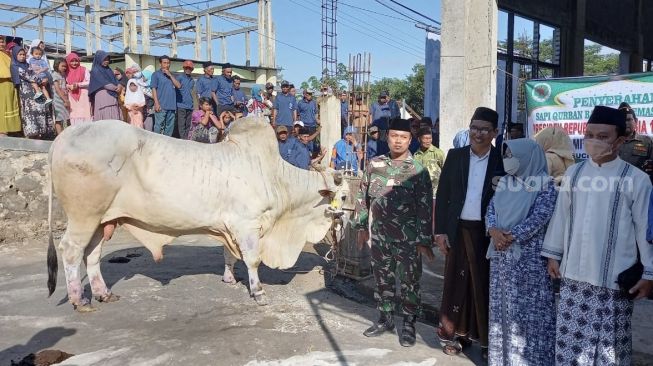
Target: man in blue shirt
{"points": [[301, 156], [381, 112], [344, 110], [207, 84], [285, 107], [165, 97], [185, 99], [375, 146], [224, 90], [288, 145], [307, 110], [240, 100]]}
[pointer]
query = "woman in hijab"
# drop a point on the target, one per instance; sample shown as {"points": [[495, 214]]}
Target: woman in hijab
{"points": [[134, 102], [36, 118], [559, 151], [9, 112], [522, 314], [122, 78], [104, 89], [256, 105], [77, 81]]}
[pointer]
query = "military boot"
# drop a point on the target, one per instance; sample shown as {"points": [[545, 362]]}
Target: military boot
{"points": [[408, 333], [385, 323]]}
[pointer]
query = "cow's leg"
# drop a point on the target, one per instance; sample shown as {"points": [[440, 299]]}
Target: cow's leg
{"points": [[92, 256], [249, 247], [72, 247], [229, 263]]}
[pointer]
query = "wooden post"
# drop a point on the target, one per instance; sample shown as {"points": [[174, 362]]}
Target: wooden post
{"points": [[87, 21], [247, 50], [98, 26], [67, 39], [198, 36], [145, 26], [261, 33], [209, 37]]}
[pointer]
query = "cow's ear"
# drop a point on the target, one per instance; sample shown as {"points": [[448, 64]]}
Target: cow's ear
{"points": [[326, 193]]}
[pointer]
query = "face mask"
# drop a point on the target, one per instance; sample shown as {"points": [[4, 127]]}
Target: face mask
{"points": [[511, 165], [138, 75], [597, 149]]}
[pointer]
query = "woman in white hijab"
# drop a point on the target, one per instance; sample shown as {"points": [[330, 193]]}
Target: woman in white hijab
{"points": [[134, 102]]}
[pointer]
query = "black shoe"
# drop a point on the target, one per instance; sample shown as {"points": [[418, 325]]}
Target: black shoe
{"points": [[385, 323], [408, 333]]}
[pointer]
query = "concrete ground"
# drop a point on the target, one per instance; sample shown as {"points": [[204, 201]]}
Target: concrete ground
{"points": [[179, 312]]}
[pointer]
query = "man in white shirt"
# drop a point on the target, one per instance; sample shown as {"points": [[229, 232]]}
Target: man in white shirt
{"points": [[598, 228], [463, 195]]}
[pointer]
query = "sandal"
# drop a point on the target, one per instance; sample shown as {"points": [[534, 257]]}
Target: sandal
{"points": [[452, 348]]}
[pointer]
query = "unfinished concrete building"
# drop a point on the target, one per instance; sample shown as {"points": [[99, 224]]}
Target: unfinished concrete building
{"points": [[139, 30]]}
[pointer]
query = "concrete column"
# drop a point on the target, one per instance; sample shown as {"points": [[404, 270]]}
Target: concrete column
{"points": [[198, 36], [273, 46], [41, 28], [268, 32], [133, 30], [125, 32], [87, 24], [98, 25], [248, 50], [67, 37], [209, 37], [145, 26], [330, 122], [572, 42], [261, 33], [468, 63], [223, 44]]}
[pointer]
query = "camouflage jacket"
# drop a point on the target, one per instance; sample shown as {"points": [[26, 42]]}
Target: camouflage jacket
{"points": [[433, 160], [398, 198]]}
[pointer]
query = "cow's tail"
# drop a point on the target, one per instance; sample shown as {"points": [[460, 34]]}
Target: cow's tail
{"points": [[53, 265]]}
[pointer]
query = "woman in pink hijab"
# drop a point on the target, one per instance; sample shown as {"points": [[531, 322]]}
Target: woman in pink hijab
{"points": [[77, 79]]}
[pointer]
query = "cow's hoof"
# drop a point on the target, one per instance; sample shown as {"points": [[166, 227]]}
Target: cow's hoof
{"points": [[86, 308], [110, 297], [261, 299]]}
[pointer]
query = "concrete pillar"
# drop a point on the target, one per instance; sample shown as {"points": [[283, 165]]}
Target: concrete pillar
{"points": [[261, 77], [98, 25], [268, 32], [248, 50], [133, 30], [209, 37], [330, 122], [572, 42], [87, 24], [145, 26], [125, 32], [131, 59], [198, 36], [223, 44], [67, 37], [468, 63], [273, 46], [41, 28], [261, 33]]}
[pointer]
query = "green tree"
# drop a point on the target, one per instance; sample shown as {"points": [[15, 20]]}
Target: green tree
{"points": [[338, 83], [599, 64]]}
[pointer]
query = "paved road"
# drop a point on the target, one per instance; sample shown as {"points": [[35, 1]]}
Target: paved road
{"points": [[180, 313]]}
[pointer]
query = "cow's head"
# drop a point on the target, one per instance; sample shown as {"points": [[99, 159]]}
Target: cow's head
{"points": [[337, 191]]}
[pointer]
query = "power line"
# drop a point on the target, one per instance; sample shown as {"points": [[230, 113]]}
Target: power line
{"points": [[396, 46], [340, 2], [398, 12], [415, 12], [410, 37]]}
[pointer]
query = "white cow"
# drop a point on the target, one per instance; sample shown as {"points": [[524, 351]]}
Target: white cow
{"points": [[240, 191]]}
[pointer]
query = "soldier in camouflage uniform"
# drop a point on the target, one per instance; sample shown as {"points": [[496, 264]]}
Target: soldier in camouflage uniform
{"points": [[637, 149], [396, 195]]}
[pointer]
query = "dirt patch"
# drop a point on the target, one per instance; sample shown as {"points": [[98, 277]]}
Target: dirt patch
{"points": [[44, 358]]}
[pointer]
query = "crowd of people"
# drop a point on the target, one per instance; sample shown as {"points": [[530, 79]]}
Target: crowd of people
{"points": [[516, 224]]}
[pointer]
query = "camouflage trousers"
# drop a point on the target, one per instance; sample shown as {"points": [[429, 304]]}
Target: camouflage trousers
{"points": [[391, 261]]}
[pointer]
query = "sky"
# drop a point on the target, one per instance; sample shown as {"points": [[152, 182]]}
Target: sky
{"points": [[394, 42]]}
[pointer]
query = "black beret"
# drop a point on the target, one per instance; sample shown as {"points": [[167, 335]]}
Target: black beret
{"points": [[487, 115], [608, 116], [399, 124], [424, 131], [626, 108], [207, 64]]}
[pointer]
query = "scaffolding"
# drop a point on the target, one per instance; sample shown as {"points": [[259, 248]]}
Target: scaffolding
{"points": [[124, 25], [359, 70]]}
